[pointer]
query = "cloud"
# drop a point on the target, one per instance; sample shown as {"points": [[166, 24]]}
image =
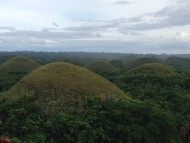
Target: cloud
{"points": [[182, 1], [168, 17], [55, 24], [44, 37], [121, 2], [182, 36], [6, 29]]}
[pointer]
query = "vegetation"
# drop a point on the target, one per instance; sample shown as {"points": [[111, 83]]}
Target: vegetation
{"points": [[61, 102], [102, 121], [163, 87], [118, 64], [19, 65], [100, 67], [62, 85], [178, 62], [14, 69], [141, 61], [8, 80], [153, 69]]}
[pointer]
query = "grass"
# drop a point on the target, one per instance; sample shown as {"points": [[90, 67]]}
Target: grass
{"points": [[19, 65], [153, 69], [62, 85]]}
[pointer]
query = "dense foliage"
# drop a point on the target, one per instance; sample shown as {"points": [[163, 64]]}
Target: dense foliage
{"points": [[158, 110], [101, 121], [8, 80]]}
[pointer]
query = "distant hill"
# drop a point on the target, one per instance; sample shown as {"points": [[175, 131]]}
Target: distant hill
{"points": [[100, 67], [19, 64], [178, 62], [153, 69], [118, 63], [153, 80], [61, 86], [141, 61]]}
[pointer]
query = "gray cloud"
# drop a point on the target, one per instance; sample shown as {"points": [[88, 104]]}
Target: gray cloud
{"points": [[31, 39], [127, 32], [122, 2], [168, 17], [182, 1], [55, 24], [47, 34], [7, 28]]}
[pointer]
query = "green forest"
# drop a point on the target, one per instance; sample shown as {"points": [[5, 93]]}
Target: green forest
{"points": [[49, 97]]}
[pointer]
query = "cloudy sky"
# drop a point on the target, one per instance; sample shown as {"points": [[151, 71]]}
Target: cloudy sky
{"points": [[132, 26]]}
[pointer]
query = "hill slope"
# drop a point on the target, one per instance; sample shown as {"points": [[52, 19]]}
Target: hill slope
{"points": [[62, 85], [152, 81], [144, 60], [100, 67], [19, 65], [153, 69]]}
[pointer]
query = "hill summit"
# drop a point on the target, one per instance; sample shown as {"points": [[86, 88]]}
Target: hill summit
{"points": [[19, 64], [63, 85], [142, 61], [153, 69], [100, 67]]}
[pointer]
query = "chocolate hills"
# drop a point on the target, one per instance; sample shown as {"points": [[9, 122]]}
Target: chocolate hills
{"points": [[152, 78], [118, 63], [19, 65], [100, 67], [141, 61], [153, 69], [60, 86]]}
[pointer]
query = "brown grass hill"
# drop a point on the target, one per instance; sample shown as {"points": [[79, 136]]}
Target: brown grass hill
{"points": [[100, 67], [141, 61], [153, 69], [62, 86], [19, 65]]}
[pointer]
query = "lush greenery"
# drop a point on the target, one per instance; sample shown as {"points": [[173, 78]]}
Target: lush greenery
{"points": [[8, 80], [156, 110], [101, 121]]}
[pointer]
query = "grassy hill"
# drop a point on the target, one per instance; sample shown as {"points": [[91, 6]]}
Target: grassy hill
{"points": [[118, 63], [153, 81], [100, 67], [19, 65], [61, 86], [153, 69], [141, 61]]}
